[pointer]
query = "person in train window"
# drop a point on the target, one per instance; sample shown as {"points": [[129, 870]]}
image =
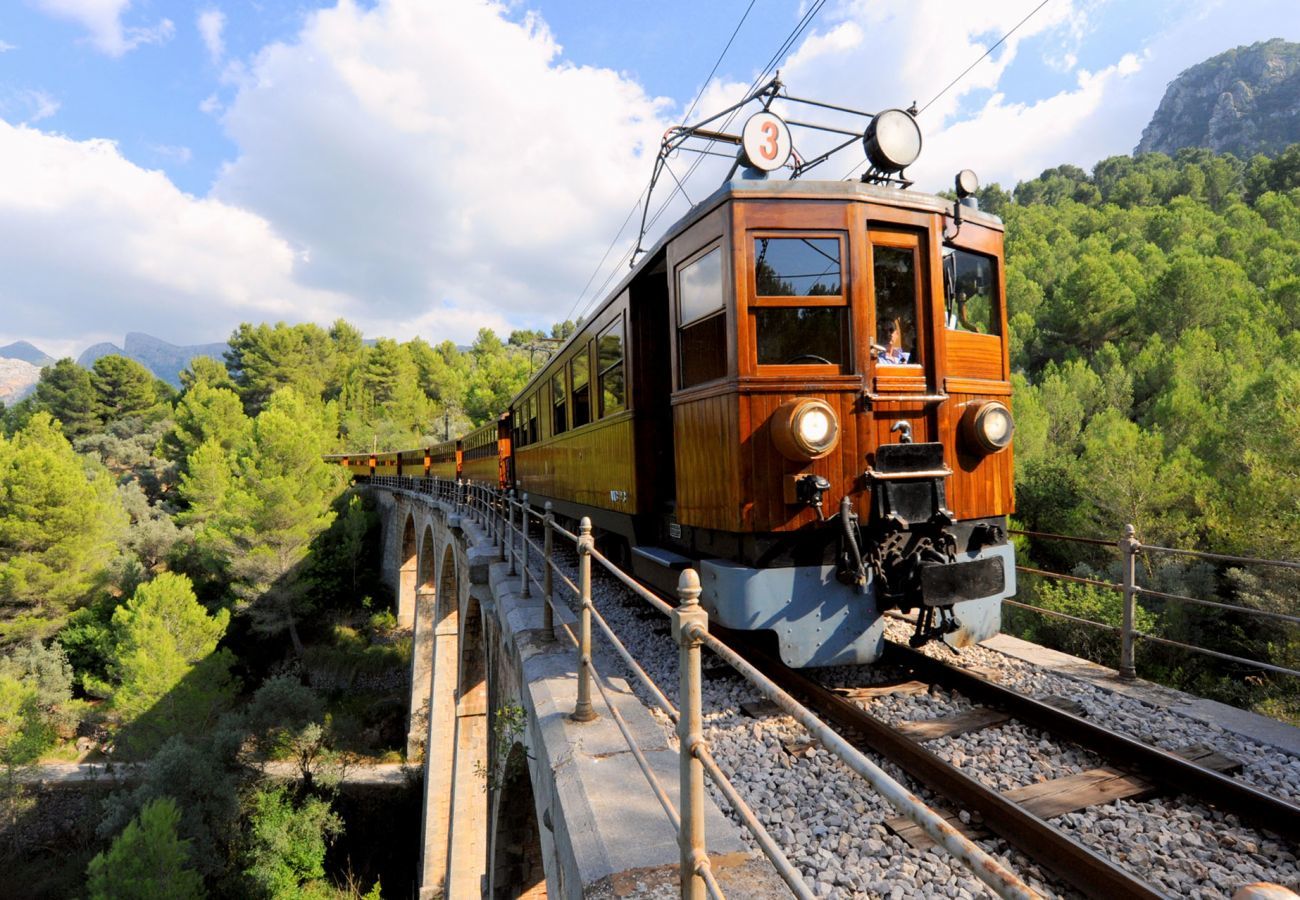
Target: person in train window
{"points": [[893, 354]]}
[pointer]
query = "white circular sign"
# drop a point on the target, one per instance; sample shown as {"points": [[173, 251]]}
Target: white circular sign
{"points": [[766, 141]]}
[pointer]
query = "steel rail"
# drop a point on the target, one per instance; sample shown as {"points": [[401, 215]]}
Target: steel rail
{"points": [[1078, 579], [1158, 766], [981, 864], [1080, 866]]}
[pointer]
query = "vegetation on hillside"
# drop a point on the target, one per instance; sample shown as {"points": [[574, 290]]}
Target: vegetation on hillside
{"points": [[183, 582], [1154, 312]]}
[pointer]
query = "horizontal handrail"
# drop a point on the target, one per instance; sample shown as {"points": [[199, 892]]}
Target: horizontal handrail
{"points": [[1295, 620], [1224, 557], [1059, 615], [1253, 663], [1078, 579]]}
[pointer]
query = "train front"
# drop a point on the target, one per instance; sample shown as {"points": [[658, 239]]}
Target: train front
{"points": [[841, 413]]}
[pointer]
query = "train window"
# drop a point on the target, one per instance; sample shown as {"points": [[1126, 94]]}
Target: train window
{"points": [[609, 366], [895, 273], [532, 419], [796, 267], [560, 419], [802, 335], [968, 292], [699, 287], [581, 388]]}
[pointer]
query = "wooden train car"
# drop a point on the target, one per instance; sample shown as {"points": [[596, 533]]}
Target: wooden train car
{"points": [[803, 391], [359, 465], [797, 368], [444, 460], [485, 454]]}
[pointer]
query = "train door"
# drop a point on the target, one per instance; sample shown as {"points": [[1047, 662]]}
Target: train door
{"points": [[650, 341], [902, 370]]}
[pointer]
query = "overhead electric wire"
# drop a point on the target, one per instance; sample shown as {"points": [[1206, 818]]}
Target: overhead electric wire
{"points": [[985, 56], [967, 70], [644, 191], [800, 27]]}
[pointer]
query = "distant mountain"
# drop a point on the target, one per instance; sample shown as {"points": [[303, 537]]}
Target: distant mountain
{"points": [[1243, 102], [163, 359], [17, 378], [26, 352]]}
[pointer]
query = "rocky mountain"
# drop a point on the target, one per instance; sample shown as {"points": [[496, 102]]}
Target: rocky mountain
{"points": [[1243, 102], [17, 378], [26, 352], [163, 359]]}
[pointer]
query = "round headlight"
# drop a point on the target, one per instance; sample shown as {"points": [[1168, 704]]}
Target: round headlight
{"points": [[805, 429], [892, 140], [987, 425], [967, 183]]}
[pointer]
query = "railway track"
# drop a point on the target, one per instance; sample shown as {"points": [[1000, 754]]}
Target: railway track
{"points": [[1135, 770], [1138, 769]]}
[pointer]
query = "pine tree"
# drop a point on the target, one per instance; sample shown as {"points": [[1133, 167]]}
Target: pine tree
{"points": [[147, 860], [287, 843], [66, 393], [169, 678], [60, 519], [123, 388], [205, 413]]}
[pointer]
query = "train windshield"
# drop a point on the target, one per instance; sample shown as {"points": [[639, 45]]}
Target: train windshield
{"points": [[968, 292], [799, 307]]}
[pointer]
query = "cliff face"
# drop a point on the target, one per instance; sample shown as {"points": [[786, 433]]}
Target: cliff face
{"points": [[1244, 101], [163, 359]]}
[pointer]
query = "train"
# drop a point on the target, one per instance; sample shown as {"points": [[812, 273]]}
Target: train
{"points": [[801, 390]]}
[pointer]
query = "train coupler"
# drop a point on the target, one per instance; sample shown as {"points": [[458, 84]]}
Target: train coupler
{"points": [[927, 629]]}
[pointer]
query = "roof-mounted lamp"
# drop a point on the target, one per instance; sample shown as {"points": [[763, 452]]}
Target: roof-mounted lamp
{"points": [[892, 142]]}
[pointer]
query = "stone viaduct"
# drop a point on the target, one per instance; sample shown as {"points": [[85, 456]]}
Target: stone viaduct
{"points": [[519, 799]]}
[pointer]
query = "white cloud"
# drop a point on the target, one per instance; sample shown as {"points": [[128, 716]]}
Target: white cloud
{"points": [[103, 20], [5, 46], [92, 245], [176, 153], [211, 23], [423, 153], [28, 105]]}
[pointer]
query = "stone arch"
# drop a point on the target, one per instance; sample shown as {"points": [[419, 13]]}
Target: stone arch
{"points": [[422, 644], [439, 756], [469, 822], [517, 864], [408, 562]]}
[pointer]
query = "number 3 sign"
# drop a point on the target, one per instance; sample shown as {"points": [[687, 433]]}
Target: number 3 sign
{"points": [[766, 140]]}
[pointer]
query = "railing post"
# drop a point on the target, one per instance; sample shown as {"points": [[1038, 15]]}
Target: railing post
{"points": [[582, 712], [1128, 546], [548, 576], [510, 531], [690, 624], [525, 589]]}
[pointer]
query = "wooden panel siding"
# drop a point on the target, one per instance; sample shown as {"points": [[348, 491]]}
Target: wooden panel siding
{"points": [[981, 484], [584, 465], [706, 445]]}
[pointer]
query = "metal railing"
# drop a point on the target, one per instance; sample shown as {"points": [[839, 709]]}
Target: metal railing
{"points": [[508, 521], [1130, 548]]}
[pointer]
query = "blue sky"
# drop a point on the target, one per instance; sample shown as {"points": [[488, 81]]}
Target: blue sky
{"points": [[434, 167]]}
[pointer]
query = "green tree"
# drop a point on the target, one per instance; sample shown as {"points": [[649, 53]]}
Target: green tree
{"points": [[60, 519], [148, 860], [287, 841], [263, 358], [66, 393], [261, 514], [168, 675], [204, 413], [123, 387], [206, 370]]}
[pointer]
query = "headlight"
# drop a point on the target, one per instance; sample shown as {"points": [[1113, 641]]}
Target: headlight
{"points": [[987, 426], [805, 429]]}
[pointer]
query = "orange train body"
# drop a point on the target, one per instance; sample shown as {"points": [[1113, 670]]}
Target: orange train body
{"points": [[859, 316]]}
